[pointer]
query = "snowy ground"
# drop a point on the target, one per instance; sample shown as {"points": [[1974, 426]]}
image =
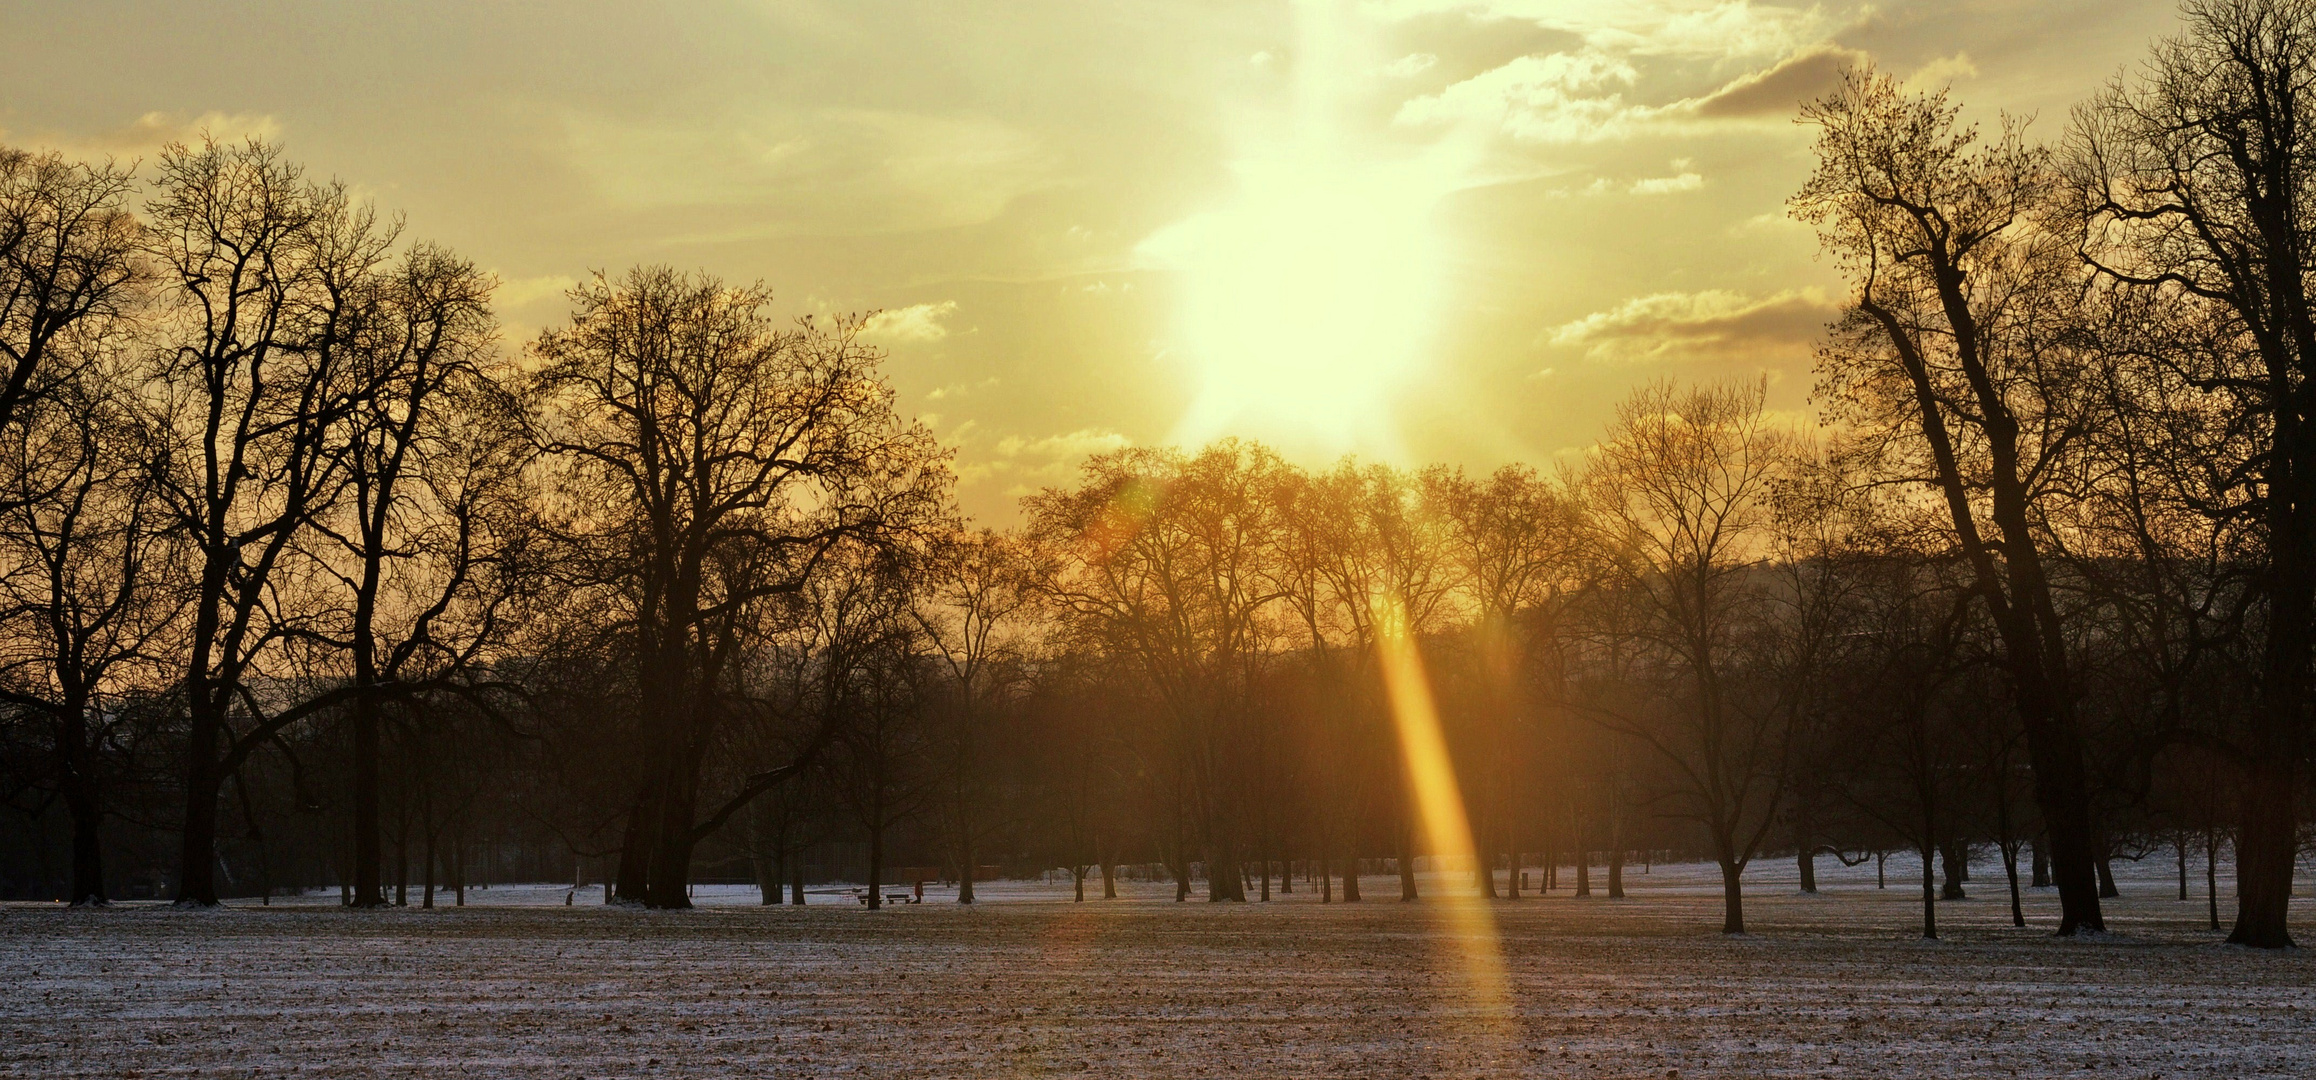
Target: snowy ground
{"points": [[1028, 984]]}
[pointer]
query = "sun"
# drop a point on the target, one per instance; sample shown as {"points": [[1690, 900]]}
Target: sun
{"points": [[1308, 303]]}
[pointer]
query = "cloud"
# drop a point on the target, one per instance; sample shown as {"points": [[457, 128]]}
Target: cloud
{"points": [[1584, 96], [1033, 462], [1551, 98], [154, 130], [826, 172], [940, 393], [515, 292], [1073, 447], [1685, 29], [1944, 70], [1667, 185], [1779, 90], [1411, 65], [917, 322], [1713, 324]]}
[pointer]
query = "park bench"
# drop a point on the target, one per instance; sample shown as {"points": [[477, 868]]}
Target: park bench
{"points": [[893, 895]]}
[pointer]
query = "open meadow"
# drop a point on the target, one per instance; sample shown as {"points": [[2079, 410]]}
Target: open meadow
{"points": [[1027, 983]]}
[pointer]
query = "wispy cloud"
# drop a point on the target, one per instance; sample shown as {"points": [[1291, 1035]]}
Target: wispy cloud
{"points": [[1779, 89], [833, 171], [1712, 324], [1668, 185], [1025, 463], [153, 130], [1611, 84], [917, 322]]}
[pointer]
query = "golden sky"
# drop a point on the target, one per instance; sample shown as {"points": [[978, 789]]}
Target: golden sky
{"points": [[1413, 229]]}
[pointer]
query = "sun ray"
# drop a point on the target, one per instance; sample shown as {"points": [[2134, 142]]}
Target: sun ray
{"points": [[1439, 805]]}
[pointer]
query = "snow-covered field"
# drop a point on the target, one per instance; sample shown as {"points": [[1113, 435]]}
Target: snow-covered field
{"points": [[1029, 984]]}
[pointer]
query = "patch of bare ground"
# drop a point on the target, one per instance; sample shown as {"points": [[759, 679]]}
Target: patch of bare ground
{"points": [[1031, 985]]}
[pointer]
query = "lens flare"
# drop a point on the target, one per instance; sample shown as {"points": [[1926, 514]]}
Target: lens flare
{"points": [[1439, 804]]}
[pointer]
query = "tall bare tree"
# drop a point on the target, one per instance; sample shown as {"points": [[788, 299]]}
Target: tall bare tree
{"points": [[1678, 498], [720, 458], [975, 593], [1956, 363], [261, 272], [90, 598], [2193, 182]]}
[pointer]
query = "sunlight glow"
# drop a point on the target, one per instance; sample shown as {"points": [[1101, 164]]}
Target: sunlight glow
{"points": [[1308, 303], [1439, 804]]}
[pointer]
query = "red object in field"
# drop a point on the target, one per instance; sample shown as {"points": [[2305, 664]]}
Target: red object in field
{"points": [[984, 873]]}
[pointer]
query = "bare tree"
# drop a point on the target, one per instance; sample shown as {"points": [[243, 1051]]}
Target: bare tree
{"points": [[1956, 363], [2191, 182], [1162, 560], [429, 501], [1678, 498], [254, 384], [976, 591], [69, 259], [697, 439], [1514, 540], [90, 597]]}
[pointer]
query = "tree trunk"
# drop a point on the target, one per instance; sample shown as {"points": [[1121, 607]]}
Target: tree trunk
{"points": [[1615, 846], [2265, 847], [796, 881], [1953, 856], [631, 882], [1483, 864], [197, 841], [2211, 874], [1804, 848], [2041, 861], [1732, 898], [2106, 864], [82, 800], [1109, 879], [670, 884], [1222, 873], [876, 865], [367, 826], [965, 873], [1929, 892], [426, 821], [2267, 826], [2010, 873]]}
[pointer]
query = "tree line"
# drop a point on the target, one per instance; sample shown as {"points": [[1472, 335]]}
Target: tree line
{"points": [[302, 567]]}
